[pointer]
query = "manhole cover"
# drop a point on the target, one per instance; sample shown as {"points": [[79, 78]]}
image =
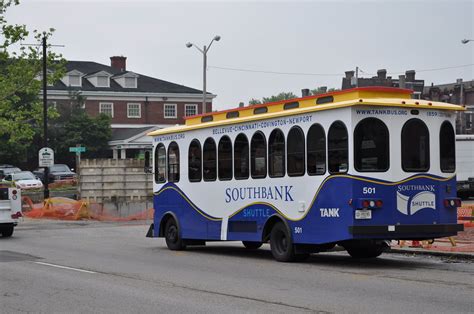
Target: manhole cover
{"points": [[10, 256]]}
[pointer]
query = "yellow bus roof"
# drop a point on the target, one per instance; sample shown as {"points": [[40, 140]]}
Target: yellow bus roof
{"points": [[368, 96]]}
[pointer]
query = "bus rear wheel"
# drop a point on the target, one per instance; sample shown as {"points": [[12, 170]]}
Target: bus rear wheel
{"points": [[6, 230], [173, 237], [252, 245], [282, 245]]}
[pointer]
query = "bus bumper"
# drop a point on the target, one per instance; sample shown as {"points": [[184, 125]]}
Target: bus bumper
{"points": [[406, 231]]}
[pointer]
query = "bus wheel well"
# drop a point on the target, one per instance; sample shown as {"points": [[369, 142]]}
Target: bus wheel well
{"points": [[163, 222], [267, 230]]}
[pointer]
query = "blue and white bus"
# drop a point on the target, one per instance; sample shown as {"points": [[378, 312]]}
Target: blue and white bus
{"points": [[354, 168]]}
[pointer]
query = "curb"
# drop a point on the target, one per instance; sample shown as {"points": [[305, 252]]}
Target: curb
{"points": [[460, 255]]}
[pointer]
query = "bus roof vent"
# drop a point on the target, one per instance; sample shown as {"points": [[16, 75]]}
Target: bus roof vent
{"points": [[207, 119], [232, 114], [260, 110], [291, 105], [324, 100]]}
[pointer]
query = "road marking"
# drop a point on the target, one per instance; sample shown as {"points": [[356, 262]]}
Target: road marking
{"points": [[65, 267]]}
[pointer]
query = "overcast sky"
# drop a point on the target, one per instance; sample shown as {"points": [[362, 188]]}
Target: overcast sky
{"points": [[305, 37]]}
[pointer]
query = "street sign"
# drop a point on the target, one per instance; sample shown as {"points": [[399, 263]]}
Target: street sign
{"points": [[78, 149], [46, 157]]}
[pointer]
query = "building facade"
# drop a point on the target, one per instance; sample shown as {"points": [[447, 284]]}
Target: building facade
{"points": [[135, 102]]}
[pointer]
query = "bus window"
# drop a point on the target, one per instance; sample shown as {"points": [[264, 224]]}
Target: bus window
{"points": [[160, 163], [371, 146], [295, 152], [338, 148], [194, 161], [316, 155], [209, 160], [258, 155], [173, 162], [241, 157], [446, 147], [225, 158], [276, 154], [415, 146]]}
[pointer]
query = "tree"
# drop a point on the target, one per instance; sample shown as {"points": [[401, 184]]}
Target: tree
{"points": [[73, 126], [321, 90], [21, 114], [280, 96]]}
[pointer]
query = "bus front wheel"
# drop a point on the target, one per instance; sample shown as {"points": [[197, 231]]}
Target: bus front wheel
{"points": [[6, 230], [173, 237]]}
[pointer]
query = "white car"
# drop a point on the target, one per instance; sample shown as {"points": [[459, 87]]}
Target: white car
{"points": [[25, 180]]}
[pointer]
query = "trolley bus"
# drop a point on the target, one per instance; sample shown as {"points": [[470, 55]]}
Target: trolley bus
{"points": [[354, 168]]}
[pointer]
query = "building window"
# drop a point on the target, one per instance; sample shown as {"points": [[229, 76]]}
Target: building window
{"points": [[74, 80], [316, 150], [173, 162], [415, 146], [134, 110], [447, 151], [107, 108], [276, 154], [258, 155], [102, 81], [170, 111], [371, 146], [52, 104], [338, 148], [209, 160], [225, 158], [194, 161], [241, 157], [190, 110], [160, 163], [295, 153], [130, 82]]}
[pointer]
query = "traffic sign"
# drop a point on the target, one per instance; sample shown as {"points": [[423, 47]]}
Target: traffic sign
{"points": [[77, 149], [46, 157]]}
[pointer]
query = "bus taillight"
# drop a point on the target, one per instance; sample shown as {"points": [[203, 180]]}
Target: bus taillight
{"points": [[371, 203], [452, 202]]}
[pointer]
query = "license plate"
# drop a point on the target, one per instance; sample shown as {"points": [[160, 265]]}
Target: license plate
{"points": [[363, 214]]}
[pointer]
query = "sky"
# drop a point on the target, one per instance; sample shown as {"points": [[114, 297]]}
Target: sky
{"points": [[315, 41]]}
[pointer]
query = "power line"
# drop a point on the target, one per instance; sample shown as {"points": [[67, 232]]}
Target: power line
{"points": [[333, 74]]}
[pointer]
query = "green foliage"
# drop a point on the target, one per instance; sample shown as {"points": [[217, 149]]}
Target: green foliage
{"points": [[280, 96], [254, 102], [321, 90], [73, 126], [21, 113]]}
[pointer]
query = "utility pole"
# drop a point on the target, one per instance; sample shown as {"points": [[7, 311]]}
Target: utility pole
{"points": [[45, 116], [357, 76]]}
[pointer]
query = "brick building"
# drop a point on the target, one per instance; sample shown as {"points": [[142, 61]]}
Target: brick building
{"points": [[461, 93], [403, 81], [135, 102]]}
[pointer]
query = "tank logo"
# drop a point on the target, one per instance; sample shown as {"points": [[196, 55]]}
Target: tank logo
{"points": [[423, 197]]}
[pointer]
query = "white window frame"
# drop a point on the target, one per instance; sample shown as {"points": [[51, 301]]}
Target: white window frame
{"points": [[175, 111], [111, 107], [186, 106], [139, 110]]}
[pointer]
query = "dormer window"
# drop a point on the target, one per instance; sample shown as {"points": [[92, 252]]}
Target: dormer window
{"points": [[127, 79], [73, 78], [99, 79]]}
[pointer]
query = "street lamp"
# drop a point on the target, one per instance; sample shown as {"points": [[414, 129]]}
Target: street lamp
{"points": [[204, 51], [465, 41]]}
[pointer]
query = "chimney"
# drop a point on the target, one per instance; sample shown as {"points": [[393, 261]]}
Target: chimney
{"points": [[410, 74], [305, 92], [401, 81], [349, 74], [119, 63], [241, 104], [382, 74]]}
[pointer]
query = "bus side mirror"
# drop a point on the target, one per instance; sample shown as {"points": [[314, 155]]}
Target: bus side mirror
{"points": [[147, 167]]}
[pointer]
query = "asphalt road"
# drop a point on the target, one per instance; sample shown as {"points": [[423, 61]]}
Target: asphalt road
{"points": [[109, 267]]}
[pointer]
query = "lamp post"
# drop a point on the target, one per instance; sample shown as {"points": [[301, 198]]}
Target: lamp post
{"points": [[204, 51]]}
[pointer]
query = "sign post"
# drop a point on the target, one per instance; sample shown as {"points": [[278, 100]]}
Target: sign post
{"points": [[46, 160], [78, 150]]}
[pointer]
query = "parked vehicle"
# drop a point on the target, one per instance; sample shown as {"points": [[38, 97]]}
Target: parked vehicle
{"points": [[4, 171], [57, 172], [24, 180], [10, 210], [465, 165]]}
